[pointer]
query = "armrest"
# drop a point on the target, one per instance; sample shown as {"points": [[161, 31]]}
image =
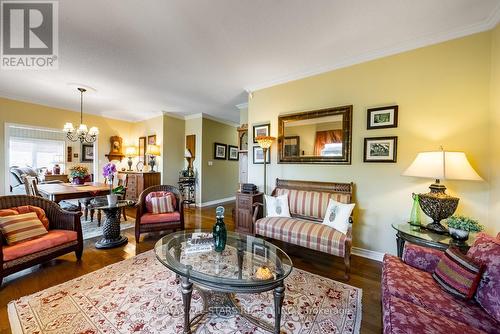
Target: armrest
{"points": [[256, 207], [66, 220], [422, 258]]}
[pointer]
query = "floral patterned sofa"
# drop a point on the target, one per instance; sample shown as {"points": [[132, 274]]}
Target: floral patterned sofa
{"points": [[414, 303]]}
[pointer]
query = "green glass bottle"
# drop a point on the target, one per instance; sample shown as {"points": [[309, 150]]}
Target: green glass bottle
{"points": [[219, 230], [415, 216]]}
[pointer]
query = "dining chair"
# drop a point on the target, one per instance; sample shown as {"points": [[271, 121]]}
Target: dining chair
{"points": [[31, 186]]}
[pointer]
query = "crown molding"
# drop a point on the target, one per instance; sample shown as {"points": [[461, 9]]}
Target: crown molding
{"points": [[173, 115], [489, 23], [242, 106], [212, 118]]}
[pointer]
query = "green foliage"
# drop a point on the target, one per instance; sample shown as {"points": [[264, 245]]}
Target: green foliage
{"points": [[464, 223], [120, 190]]}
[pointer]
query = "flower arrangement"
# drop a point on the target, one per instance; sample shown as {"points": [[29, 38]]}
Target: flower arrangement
{"points": [[109, 171], [464, 223], [78, 174]]}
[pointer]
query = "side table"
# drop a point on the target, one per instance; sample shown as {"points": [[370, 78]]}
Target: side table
{"points": [[427, 238], [111, 236], [187, 188]]}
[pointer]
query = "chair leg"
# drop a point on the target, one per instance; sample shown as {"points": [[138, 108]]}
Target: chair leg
{"points": [[137, 236], [86, 213], [124, 215], [99, 217], [347, 262], [92, 211], [79, 253]]}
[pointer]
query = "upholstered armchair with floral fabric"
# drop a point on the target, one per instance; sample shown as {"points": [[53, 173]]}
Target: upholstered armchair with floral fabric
{"points": [[148, 221]]}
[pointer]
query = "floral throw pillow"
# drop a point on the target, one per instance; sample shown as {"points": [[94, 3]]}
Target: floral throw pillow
{"points": [[277, 206], [486, 249]]}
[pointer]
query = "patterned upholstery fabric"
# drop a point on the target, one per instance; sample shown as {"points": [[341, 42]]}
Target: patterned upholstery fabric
{"points": [[486, 249], [303, 233], [420, 257], [51, 239], [152, 218], [22, 227], [149, 205], [310, 203], [25, 209], [458, 274], [411, 298], [162, 204]]}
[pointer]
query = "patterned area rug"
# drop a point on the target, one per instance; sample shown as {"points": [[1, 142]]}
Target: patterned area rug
{"points": [[91, 230], [141, 295]]}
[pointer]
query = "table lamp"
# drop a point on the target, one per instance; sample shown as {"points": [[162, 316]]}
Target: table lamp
{"points": [[130, 152], [440, 165], [153, 151], [265, 143], [189, 159]]}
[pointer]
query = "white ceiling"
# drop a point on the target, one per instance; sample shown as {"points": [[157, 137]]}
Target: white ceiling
{"points": [[199, 56]]}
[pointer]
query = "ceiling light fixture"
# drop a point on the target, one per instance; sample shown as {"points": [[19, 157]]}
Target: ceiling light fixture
{"points": [[81, 134]]}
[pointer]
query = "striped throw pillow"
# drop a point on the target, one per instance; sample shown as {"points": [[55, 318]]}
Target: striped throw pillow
{"points": [[162, 204], [22, 227], [458, 274]]}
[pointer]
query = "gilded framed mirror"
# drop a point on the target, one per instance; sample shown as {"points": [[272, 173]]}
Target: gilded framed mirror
{"points": [[316, 137]]}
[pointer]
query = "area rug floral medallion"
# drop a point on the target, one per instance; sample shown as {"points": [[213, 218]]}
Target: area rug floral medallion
{"points": [[140, 295]]}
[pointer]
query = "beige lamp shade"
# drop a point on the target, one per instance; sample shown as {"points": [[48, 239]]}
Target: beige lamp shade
{"points": [[442, 165], [153, 150], [187, 153], [131, 151], [264, 141]]}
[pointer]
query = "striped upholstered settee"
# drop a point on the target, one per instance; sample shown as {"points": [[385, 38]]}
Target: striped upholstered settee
{"points": [[308, 202]]}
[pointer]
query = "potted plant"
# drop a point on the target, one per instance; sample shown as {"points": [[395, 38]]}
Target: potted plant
{"points": [[459, 227], [78, 174], [109, 171]]}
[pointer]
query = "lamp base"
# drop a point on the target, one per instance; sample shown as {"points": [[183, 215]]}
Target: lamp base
{"points": [[438, 205]]}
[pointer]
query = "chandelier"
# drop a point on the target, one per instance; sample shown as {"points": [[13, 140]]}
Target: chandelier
{"points": [[82, 133]]}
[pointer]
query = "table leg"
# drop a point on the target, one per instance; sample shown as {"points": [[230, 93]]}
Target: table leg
{"points": [[279, 295], [111, 230], [400, 244], [187, 291]]}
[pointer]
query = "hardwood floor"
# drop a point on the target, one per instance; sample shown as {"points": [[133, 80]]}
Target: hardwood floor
{"points": [[365, 273]]}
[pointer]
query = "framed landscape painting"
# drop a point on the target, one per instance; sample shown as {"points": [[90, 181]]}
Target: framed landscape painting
{"points": [[233, 152], [380, 149], [261, 130], [258, 155], [382, 118], [220, 151]]}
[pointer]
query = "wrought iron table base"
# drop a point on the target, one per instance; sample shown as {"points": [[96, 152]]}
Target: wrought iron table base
{"points": [[223, 304], [111, 229]]}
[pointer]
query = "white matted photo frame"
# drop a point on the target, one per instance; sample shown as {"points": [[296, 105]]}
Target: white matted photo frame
{"points": [[233, 153], [261, 130], [258, 155], [382, 118], [220, 151], [87, 153], [380, 149]]}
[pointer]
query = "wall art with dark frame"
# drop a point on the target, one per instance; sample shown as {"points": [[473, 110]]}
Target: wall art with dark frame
{"points": [[142, 149], [258, 155], [261, 130], [87, 153], [380, 149], [220, 151], [382, 117], [233, 152]]}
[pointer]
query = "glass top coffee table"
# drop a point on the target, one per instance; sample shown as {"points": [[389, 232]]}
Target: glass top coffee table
{"points": [[247, 265]]}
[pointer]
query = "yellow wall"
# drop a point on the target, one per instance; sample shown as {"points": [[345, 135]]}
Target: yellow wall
{"points": [[443, 97], [221, 179], [494, 128], [42, 116]]}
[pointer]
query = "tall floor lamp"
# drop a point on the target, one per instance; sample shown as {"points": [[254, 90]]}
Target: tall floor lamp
{"points": [[265, 143]]}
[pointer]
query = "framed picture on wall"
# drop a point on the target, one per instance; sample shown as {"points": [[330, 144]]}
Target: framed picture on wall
{"points": [[258, 155], [261, 130], [220, 151], [380, 149], [152, 140], [233, 152], [382, 118], [142, 149], [87, 153], [291, 146]]}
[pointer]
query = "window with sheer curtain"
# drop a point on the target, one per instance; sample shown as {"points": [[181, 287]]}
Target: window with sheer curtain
{"points": [[36, 153]]}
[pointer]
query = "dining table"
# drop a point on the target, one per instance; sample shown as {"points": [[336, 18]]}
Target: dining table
{"points": [[64, 191]]}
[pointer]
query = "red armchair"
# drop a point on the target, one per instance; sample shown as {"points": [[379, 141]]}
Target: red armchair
{"points": [[65, 235], [148, 222]]}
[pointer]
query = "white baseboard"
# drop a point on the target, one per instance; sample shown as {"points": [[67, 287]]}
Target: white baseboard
{"points": [[217, 201], [369, 254]]}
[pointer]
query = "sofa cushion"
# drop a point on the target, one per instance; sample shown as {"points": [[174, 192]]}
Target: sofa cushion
{"points": [[337, 215], [277, 206], [418, 287], [52, 239], [310, 203], [152, 218], [486, 249], [25, 209], [403, 317], [303, 233], [149, 205], [21, 227], [162, 204], [458, 274]]}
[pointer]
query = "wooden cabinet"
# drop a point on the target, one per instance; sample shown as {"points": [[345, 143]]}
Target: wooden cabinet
{"points": [[138, 181], [244, 211]]}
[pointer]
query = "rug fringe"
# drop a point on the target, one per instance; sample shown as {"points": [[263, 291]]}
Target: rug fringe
{"points": [[15, 323]]}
